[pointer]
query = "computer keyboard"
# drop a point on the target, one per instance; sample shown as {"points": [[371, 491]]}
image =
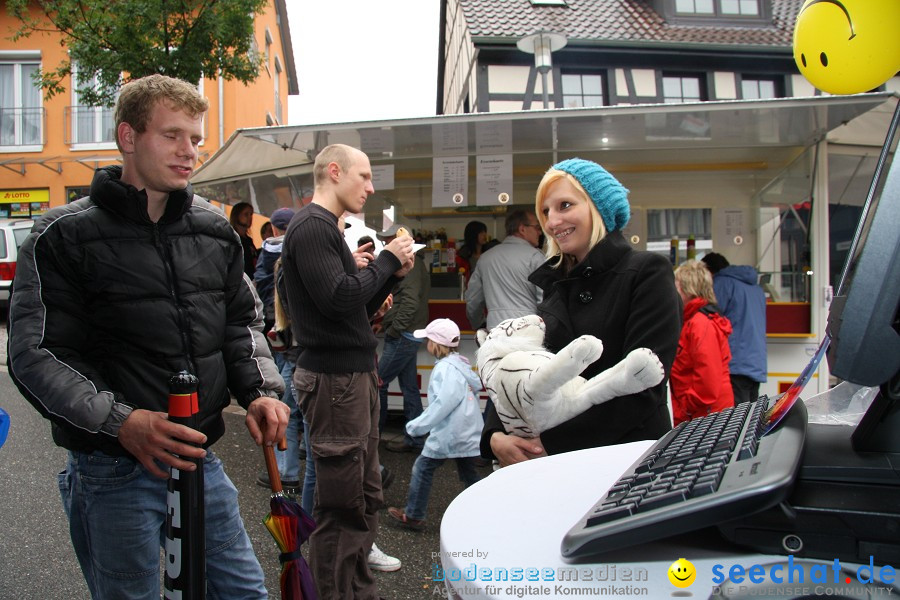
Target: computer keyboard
{"points": [[705, 471]]}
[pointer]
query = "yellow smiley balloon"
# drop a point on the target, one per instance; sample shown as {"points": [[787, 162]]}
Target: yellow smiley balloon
{"points": [[682, 573], [848, 46]]}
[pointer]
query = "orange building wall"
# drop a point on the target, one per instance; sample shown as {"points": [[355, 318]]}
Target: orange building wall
{"points": [[60, 166]]}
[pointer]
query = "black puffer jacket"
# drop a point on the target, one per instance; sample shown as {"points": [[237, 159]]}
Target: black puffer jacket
{"points": [[109, 305]]}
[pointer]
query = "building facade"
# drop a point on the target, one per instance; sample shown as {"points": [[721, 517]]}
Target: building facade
{"points": [[49, 148], [617, 52]]}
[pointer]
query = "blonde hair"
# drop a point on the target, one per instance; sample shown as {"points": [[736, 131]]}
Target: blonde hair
{"points": [[695, 281], [282, 318], [137, 99], [440, 350], [340, 154], [598, 229]]}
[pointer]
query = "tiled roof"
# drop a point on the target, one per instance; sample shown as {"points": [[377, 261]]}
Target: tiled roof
{"points": [[614, 21]]}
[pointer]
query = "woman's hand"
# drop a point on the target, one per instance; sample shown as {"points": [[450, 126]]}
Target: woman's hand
{"points": [[510, 449]]}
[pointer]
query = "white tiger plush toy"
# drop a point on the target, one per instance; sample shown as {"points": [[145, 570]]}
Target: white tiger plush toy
{"points": [[534, 390]]}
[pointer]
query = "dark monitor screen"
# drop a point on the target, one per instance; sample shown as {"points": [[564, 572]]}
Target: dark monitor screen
{"points": [[862, 322], [863, 318]]}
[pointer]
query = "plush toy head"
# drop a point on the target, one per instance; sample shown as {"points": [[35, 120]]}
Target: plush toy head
{"points": [[514, 334]]}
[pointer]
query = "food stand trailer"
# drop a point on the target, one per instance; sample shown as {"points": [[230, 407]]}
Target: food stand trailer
{"points": [[776, 184]]}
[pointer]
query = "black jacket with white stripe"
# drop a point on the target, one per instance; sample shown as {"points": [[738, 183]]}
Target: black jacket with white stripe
{"points": [[109, 305]]}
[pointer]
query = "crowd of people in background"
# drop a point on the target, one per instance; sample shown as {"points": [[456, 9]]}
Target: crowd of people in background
{"points": [[566, 260]]}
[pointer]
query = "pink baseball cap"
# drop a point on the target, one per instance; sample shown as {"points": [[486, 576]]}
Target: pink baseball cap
{"points": [[443, 331]]}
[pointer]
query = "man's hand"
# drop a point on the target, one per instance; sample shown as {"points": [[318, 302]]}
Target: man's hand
{"points": [[150, 436], [405, 269], [267, 420], [363, 255], [510, 449], [401, 247]]}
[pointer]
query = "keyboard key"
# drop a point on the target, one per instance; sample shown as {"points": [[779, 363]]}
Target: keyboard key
{"points": [[608, 515], [613, 497], [703, 488], [651, 502], [643, 478]]}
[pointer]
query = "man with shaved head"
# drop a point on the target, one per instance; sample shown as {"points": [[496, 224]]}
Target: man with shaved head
{"points": [[331, 303]]}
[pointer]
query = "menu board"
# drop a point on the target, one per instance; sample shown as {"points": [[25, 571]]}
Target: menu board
{"points": [[450, 181], [733, 223], [493, 137], [377, 140], [383, 177], [493, 179], [449, 139]]}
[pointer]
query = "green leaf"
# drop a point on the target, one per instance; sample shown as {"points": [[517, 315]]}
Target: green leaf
{"points": [[120, 40]]}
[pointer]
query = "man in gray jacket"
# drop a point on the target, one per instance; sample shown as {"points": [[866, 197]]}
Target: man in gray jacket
{"points": [[500, 283]]}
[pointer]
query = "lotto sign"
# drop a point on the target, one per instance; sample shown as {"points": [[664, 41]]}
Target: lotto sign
{"points": [[24, 196]]}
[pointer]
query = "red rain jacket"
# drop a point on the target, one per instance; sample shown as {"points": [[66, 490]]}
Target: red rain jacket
{"points": [[700, 379]]}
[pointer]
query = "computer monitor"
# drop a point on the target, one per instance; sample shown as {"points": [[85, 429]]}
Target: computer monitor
{"points": [[863, 321], [847, 492]]}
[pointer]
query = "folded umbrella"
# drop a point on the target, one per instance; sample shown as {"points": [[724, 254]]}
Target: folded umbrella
{"points": [[290, 525]]}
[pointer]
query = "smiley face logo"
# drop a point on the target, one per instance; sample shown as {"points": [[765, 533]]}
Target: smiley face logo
{"points": [[847, 46], [682, 573]]}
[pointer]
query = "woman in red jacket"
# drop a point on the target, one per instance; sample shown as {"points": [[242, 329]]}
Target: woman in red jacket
{"points": [[700, 380]]}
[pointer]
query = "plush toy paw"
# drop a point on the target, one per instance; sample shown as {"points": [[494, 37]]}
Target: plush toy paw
{"points": [[645, 367], [586, 349]]}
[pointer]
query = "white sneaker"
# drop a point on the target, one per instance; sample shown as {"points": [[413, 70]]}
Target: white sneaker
{"points": [[379, 561]]}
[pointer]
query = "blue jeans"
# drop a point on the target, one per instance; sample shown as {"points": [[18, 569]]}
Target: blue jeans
{"points": [[398, 360], [289, 460], [117, 518], [423, 476]]}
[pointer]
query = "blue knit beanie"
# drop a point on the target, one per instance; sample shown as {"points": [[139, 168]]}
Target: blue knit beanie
{"points": [[609, 196]]}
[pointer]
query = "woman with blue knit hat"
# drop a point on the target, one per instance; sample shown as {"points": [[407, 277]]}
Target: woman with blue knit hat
{"points": [[595, 283]]}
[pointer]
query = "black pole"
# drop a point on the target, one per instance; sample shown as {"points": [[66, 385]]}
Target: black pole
{"points": [[185, 577]]}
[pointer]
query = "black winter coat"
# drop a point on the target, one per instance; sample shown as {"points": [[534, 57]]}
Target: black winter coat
{"points": [[628, 300], [109, 305]]}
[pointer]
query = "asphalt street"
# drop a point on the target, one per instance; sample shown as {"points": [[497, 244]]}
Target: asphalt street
{"points": [[36, 557]]}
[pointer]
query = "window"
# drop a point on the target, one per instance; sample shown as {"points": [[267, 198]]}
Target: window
{"points": [[668, 225], [723, 8], [681, 88], [268, 53], [743, 8], [277, 78], [754, 89], [90, 124], [76, 193], [21, 113], [695, 7], [582, 90]]}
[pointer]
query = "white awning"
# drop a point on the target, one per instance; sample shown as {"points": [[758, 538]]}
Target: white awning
{"points": [[755, 135]]}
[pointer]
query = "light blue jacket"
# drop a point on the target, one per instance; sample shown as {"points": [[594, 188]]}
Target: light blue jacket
{"points": [[743, 302], [453, 416]]}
